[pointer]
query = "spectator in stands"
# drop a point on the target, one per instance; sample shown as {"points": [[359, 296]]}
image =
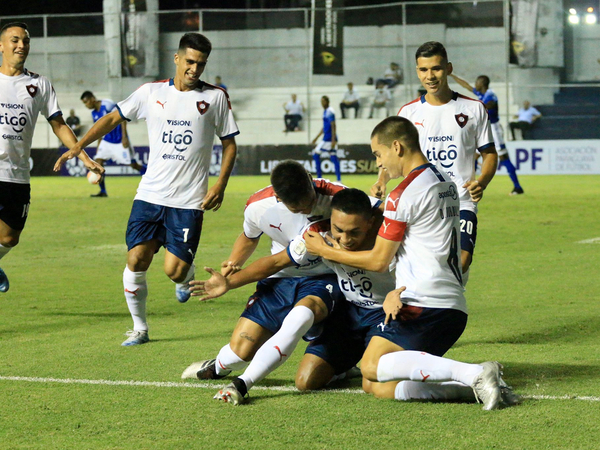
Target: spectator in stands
{"points": [[294, 109], [381, 99], [351, 100], [526, 117], [219, 82], [392, 76], [74, 122]]}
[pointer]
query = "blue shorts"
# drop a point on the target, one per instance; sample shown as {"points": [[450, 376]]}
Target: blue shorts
{"points": [[431, 330], [176, 229], [14, 204], [468, 230], [275, 297], [346, 335]]}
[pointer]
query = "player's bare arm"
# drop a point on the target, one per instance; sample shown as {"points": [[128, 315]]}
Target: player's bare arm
{"points": [[379, 188], [103, 126], [125, 140], [217, 285], [461, 81], [377, 259], [215, 194], [243, 248], [66, 136], [489, 165], [333, 135], [314, 141]]}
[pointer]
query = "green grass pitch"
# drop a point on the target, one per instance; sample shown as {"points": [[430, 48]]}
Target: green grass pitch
{"points": [[533, 295]]}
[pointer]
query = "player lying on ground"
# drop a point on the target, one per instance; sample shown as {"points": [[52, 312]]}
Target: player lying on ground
{"points": [[420, 230], [23, 96]]}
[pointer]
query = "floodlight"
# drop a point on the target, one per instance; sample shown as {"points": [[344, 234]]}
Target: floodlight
{"points": [[574, 19], [591, 19]]}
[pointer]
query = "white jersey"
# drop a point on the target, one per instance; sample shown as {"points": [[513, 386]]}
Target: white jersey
{"points": [[364, 288], [22, 99], [181, 130], [265, 214], [423, 214], [450, 135]]}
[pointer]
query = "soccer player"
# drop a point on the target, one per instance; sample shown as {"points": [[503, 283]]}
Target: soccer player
{"points": [[286, 305], [452, 128], [115, 145], [328, 144], [183, 115], [488, 98], [23, 96], [427, 312]]}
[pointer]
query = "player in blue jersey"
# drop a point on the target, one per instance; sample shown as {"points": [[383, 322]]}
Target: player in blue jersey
{"points": [[328, 144], [490, 100], [115, 145]]}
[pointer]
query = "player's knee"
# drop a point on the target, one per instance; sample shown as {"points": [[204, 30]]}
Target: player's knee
{"points": [[136, 263], [9, 241], [368, 368], [176, 273], [305, 381]]}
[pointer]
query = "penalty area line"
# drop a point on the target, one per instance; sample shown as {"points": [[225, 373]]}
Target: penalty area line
{"points": [[200, 385]]}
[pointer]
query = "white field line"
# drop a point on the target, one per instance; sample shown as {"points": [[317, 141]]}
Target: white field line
{"points": [[589, 241], [199, 385]]}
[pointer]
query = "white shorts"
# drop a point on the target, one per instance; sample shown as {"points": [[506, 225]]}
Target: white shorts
{"points": [[498, 135], [116, 152], [324, 146]]}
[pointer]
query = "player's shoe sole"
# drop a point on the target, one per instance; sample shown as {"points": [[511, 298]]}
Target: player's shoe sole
{"points": [[203, 370], [4, 284], [135, 338], [517, 191], [230, 394]]}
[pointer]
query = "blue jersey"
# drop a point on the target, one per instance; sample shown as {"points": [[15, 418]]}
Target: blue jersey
{"points": [[328, 119], [106, 106], [489, 96]]}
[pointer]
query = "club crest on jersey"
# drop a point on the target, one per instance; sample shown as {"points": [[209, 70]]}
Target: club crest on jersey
{"points": [[202, 107], [32, 90], [461, 119]]}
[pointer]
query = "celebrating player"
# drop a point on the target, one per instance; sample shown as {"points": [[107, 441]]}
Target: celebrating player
{"points": [[328, 144], [23, 96], [115, 145], [488, 98], [451, 128], [183, 114], [426, 314], [285, 306]]}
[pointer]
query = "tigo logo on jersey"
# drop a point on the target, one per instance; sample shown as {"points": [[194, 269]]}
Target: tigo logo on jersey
{"points": [[184, 138], [461, 119], [17, 123], [202, 107], [445, 157]]}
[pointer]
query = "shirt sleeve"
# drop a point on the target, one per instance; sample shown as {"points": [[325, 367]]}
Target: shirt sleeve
{"points": [[225, 123], [296, 249], [136, 105], [252, 222], [50, 106]]}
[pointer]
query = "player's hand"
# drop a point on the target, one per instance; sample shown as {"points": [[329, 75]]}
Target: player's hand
{"points": [[315, 243], [392, 304], [229, 268], [74, 152], [475, 190], [93, 166], [213, 198], [214, 287], [378, 189]]}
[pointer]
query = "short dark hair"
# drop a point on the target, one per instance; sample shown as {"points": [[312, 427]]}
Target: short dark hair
{"points": [[291, 182], [87, 94], [326, 98], [397, 128], [431, 48], [195, 41], [352, 201], [13, 24], [485, 79]]}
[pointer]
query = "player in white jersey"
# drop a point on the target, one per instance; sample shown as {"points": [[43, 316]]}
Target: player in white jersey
{"points": [[452, 128], [23, 96], [183, 114], [420, 230], [285, 305]]}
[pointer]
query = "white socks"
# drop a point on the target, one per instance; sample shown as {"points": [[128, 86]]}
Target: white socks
{"points": [[448, 390], [136, 293], [420, 366], [277, 350], [4, 250], [227, 361]]}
